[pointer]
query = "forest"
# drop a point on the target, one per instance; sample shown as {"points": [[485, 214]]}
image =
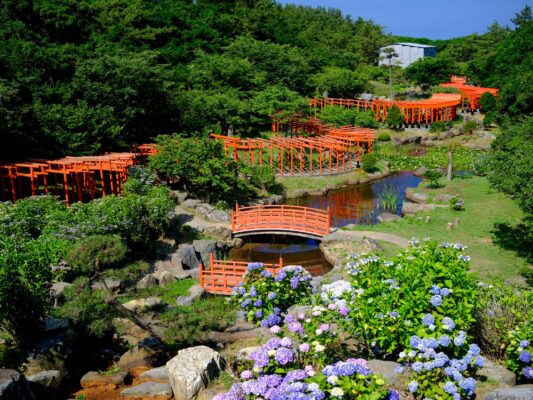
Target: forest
{"points": [[83, 77]]}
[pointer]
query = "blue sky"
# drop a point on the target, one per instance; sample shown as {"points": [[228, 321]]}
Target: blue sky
{"points": [[434, 19]]}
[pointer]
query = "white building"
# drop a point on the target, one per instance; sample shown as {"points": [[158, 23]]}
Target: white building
{"points": [[408, 53]]}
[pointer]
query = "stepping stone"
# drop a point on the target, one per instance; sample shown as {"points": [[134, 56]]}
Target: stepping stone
{"points": [[155, 375], [148, 390]]}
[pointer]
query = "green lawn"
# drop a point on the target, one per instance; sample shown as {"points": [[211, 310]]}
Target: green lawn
{"points": [[484, 207]]}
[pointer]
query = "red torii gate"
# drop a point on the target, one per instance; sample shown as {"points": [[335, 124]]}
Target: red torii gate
{"points": [[471, 94]]}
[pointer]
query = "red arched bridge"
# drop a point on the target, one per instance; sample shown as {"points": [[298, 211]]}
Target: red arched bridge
{"points": [[281, 220]]}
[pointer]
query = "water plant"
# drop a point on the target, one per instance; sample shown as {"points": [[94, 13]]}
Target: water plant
{"points": [[388, 198]]}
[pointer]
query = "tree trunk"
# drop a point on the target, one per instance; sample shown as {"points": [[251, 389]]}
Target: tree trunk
{"points": [[449, 171]]}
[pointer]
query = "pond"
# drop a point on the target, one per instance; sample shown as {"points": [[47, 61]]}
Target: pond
{"points": [[360, 204]]}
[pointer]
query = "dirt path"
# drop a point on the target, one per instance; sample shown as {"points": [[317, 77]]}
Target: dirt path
{"points": [[341, 235]]}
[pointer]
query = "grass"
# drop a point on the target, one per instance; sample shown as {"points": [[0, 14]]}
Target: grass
{"points": [[484, 208], [168, 293]]}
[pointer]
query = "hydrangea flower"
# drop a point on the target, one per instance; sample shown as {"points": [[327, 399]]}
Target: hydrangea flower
{"points": [[450, 388], [528, 372], [413, 386], [525, 356], [524, 343], [284, 356], [304, 347], [436, 300], [468, 385], [448, 324]]}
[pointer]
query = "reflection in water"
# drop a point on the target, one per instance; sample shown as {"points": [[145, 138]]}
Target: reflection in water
{"points": [[359, 204], [294, 251]]}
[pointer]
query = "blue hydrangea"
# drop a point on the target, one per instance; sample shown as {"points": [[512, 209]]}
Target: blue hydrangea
{"points": [[436, 300], [428, 319], [435, 289], [413, 386], [255, 265], [524, 343], [444, 341], [258, 303], [417, 366], [266, 273], [525, 356], [445, 292], [468, 385], [253, 291], [448, 324], [283, 356], [272, 296], [474, 349], [450, 388]]}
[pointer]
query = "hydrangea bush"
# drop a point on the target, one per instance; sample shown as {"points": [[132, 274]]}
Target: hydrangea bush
{"points": [[520, 350], [263, 296], [388, 298]]}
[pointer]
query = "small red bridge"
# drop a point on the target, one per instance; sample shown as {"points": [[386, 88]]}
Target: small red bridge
{"points": [[281, 220]]}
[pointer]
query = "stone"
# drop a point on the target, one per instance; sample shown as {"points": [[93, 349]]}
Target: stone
{"points": [[57, 291], [233, 337], [387, 369], [297, 193], [449, 227], [241, 326], [218, 232], [187, 256], [366, 96], [147, 281], [14, 386], [140, 357], [54, 325], [192, 369], [415, 197], [218, 216], [237, 243], [414, 208], [173, 266], [420, 171], [386, 217], [427, 220], [191, 203], [114, 285], [204, 209], [195, 292], [138, 304], [164, 277], [443, 197], [109, 381], [317, 192], [521, 392], [129, 331], [204, 248], [273, 199], [51, 353], [181, 196], [45, 384], [457, 222], [244, 354], [159, 374], [299, 309], [498, 373], [148, 390]]}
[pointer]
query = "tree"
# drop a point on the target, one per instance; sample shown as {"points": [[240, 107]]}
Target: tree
{"points": [[277, 101], [430, 71], [511, 164], [394, 117], [523, 17], [338, 83], [390, 54], [487, 101]]}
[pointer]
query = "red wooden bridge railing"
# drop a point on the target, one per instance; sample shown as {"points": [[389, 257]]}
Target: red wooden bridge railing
{"points": [[303, 221]]}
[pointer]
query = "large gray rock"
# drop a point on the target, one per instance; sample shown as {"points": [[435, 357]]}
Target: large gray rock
{"points": [[387, 369], [414, 208], [218, 232], [218, 216], [147, 281], [195, 292], [155, 375], [139, 304], [96, 379], [57, 291], [129, 331], [45, 384], [164, 277], [114, 285], [187, 256], [386, 217], [14, 386], [521, 392], [52, 353], [192, 369], [191, 203], [443, 197], [204, 248], [498, 373], [140, 357], [148, 390], [415, 197]]}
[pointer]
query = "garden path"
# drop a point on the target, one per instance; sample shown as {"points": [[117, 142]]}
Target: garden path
{"points": [[341, 235]]}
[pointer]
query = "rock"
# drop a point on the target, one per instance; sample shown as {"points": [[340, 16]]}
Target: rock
{"points": [[204, 248], [187, 256], [148, 390], [14, 386], [149, 302], [45, 384], [387, 369], [129, 331], [181, 196], [241, 326], [195, 292], [386, 217], [297, 193], [273, 199], [51, 353], [114, 285], [164, 277], [218, 232], [155, 375], [521, 392], [233, 337], [498, 373], [173, 266], [147, 281], [366, 96], [299, 309], [57, 291], [108, 381], [218, 216], [420, 171], [140, 357], [192, 369], [421, 198], [204, 209], [449, 227], [443, 198], [237, 243], [55, 325], [427, 220], [244, 354], [414, 208], [399, 141], [191, 203], [317, 192]]}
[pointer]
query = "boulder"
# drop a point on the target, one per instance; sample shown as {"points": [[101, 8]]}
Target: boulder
{"points": [[366, 96], [498, 373], [218, 232], [138, 304], [244, 354], [191, 203], [140, 356], [173, 266], [218, 216], [45, 384], [148, 390], [103, 380], [114, 285], [147, 281], [192, 369], [204, 248], [195, 292], [187, 256], [57, 291], [387, 369], [55, 325], [14, 386], [164, 277], [51, 353], [237, 243], [233, 337], [414, 208], [386, 217], [273, 199], [181, 196], [521, 392], [299, 309], [443, 198], [420, 171], [129, 331], [204, 209], [155, 375], [415, 197]]}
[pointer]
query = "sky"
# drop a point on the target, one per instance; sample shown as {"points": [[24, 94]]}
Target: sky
{"points": [[433, 19]]}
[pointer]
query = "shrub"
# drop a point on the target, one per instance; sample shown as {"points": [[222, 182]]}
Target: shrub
{"points": [[457, 204], [264, 296], [95, 253], [487, 102], [384, 137], [433, 177], [261, 177], [439, 126], [369, 162], [489, 119], [366, 119], [394, 117], [470, 126], [520, 350], [387, 299]]}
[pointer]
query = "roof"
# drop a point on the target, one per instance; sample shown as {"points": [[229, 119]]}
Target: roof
{"points": [[414, 45]]}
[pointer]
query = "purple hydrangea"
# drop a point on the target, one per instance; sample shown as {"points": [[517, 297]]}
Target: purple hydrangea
{"points": [[524, 343], [436, 300], [255, 265], [343, 310], [283, 356], [296, 327], [528, 372], [260, 357], [279, 277], [247, 374], [273, 343], [393, 395], [525, 356], [324, 327], [294, 282], [253, 291], [259, 313], [304, 348], [245, 303], [272, 296], [258, 303], [286, 342]]}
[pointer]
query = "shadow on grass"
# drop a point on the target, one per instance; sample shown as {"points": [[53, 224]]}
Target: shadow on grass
{"points": [[517, 238]]}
